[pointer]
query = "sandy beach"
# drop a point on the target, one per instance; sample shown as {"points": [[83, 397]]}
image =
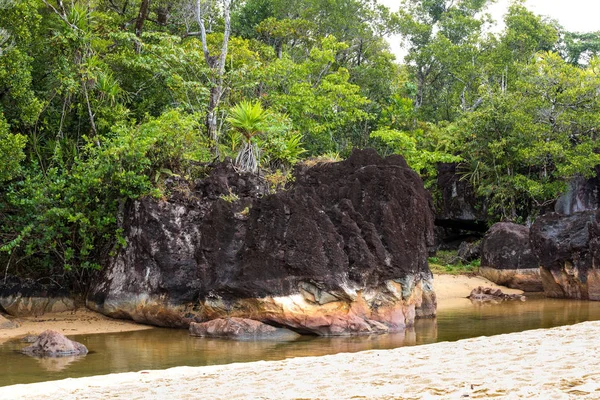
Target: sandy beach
{"points": [[559, 363], [459, 286], [452, 290]]}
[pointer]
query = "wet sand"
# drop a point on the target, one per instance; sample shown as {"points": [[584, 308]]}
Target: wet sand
{"points": [[452, 290], [460, 286], [81, 321]]}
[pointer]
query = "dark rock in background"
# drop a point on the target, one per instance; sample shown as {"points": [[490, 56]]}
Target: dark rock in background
{"points": [[507, 258], [458, 201], [568, 250], [469, 251], [459, 214], [27, 297], [581, 195]]}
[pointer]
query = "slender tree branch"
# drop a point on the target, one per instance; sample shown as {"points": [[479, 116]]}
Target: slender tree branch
{"points": [[200, 19]]}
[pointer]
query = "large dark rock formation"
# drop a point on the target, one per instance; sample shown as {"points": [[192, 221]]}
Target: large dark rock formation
{"points": [[507, 258], [458, 201], [343, 250], [568, 249], [27, 297], [54, 344]]}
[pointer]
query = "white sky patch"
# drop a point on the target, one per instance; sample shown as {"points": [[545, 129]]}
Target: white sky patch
{"points": [[573, 15]]}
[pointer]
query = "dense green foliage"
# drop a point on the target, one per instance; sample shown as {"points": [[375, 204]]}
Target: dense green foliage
{"points": [[102, 100]]}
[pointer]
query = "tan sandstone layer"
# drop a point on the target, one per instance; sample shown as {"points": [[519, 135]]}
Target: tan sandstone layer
{"points": [[559, 363]]}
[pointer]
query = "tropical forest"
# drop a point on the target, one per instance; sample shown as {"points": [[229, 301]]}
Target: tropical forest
{"points": [[210, 197]]}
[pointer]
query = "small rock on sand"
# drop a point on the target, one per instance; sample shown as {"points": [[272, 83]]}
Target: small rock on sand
{"points": [[7, 324]]}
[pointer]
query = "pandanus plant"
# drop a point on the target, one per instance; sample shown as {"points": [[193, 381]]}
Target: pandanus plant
{"points": [[249, 119]]}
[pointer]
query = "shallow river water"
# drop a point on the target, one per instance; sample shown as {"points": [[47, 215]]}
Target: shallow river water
{"points": [[165, 348]]}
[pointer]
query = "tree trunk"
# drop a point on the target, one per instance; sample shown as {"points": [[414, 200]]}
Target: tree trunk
{"points": [[211, 118], [139, 22], [218, 66], [247, 158]]}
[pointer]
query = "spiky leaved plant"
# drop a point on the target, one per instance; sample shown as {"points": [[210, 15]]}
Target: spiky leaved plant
{"points": [[250, 119]]}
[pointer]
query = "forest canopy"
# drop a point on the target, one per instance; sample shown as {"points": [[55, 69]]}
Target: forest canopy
{"points": [[102, 100]]}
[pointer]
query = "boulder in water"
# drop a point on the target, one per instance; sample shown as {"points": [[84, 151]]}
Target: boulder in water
{"points": [[240, 329], [54, 344], [486, 294]]}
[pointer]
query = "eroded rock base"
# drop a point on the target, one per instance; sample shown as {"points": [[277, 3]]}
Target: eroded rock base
{"points": [[526, 279], [568, 248], [390, 308], [568, 282], [26, 297]]}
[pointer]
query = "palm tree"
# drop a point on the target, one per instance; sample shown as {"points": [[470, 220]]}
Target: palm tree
{"points": [[250, 119]]}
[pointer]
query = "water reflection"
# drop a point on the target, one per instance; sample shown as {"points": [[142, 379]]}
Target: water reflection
{"points": [[57, 364], [164, 348]]}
